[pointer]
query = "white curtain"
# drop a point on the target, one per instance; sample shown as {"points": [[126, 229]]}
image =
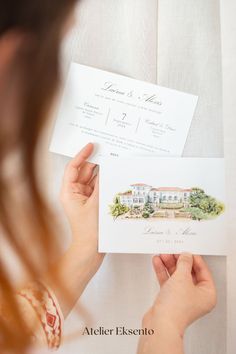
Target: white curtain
{"points": [[177, 44]]}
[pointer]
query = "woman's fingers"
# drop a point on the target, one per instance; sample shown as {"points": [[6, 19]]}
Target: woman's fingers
{"points": [[160, 270], [93, 181], [72, 169], [80, 189], [86, 172], [201, 270], [169, 262], [94, 185], [185, 264], [176, 256]]}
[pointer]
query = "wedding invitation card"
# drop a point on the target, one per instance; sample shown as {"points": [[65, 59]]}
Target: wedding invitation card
{"points": [[162, 205], [122, 116]]}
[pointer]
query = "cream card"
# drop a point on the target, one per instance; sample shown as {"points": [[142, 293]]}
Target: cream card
{"points": [[122, 116], [162, 205]]}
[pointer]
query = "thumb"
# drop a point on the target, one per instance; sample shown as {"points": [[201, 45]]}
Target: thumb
{"points": [[185, 264], [95, 195]]}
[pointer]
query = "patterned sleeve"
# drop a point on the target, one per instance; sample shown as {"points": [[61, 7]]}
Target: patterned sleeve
{"points": [[42, 312]]}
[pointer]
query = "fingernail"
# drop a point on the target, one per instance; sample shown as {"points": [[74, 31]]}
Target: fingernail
{"points": [[155, 256], [186, 254]]}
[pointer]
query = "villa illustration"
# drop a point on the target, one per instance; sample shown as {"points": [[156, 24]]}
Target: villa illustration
{"points": [[142, 201], [140, 194]]}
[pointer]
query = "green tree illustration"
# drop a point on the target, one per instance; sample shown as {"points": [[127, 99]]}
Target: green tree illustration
{"points": [[145, 214], [148, 208], [117, 208], [197, 214], [207, 206]]}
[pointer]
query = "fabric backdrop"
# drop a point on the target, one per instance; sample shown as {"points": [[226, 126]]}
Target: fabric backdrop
{"points": [[176, 44]]}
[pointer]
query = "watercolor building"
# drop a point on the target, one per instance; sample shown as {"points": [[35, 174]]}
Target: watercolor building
{"points": [[140, 194]]}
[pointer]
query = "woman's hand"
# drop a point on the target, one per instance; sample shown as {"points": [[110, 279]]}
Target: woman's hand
{"points": [[187, 292], [76, 267], [187, 289], [79, 197]]}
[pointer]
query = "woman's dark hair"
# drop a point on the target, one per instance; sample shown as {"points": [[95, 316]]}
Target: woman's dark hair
{"points": [[36, 64]]}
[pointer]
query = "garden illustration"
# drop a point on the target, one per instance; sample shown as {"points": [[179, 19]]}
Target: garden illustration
{"points": [[143, 201]]}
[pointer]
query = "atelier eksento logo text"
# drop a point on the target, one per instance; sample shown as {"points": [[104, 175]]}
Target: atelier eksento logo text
{"points": [[117, 331]]}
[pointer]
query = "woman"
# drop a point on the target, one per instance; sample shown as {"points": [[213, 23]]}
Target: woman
{"points": [[31, 32]]}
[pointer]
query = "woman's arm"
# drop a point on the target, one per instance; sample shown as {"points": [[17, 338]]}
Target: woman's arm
{"points": [[166, 340], [73, 272], [187, 292], [46, 303], [79, 197]]}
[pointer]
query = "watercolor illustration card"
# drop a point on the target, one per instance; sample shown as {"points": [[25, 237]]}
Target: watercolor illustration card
{"points": [[162, 205], [121, 116]]}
